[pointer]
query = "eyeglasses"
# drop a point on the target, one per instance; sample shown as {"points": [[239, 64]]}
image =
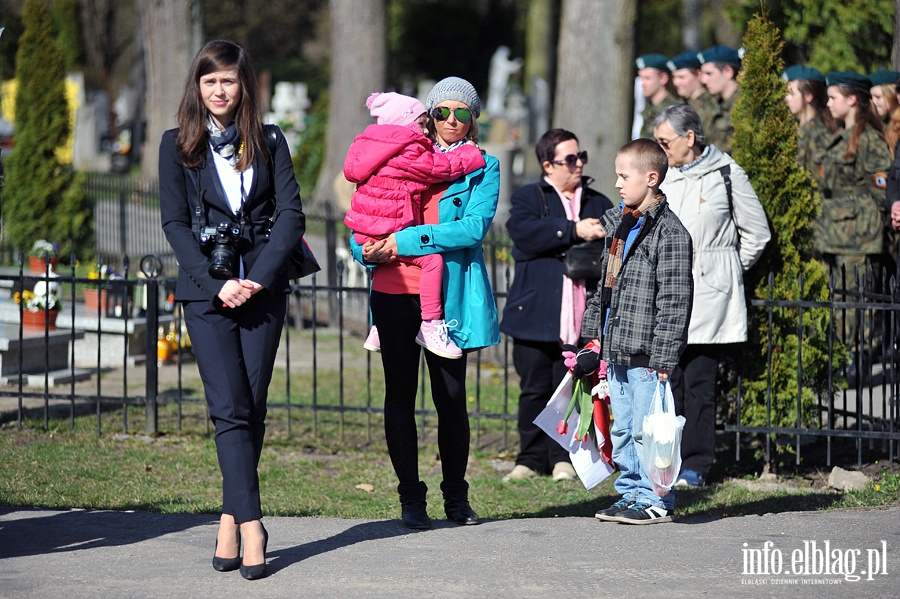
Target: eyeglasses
{"points": [[571, 160], [442, 113], [667, 143]]}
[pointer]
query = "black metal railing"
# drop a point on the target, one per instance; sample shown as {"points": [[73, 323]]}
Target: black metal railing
{"points": [[323, 372]]}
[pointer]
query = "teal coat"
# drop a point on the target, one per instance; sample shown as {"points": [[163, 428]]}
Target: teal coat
{"points": [[466, 211]]}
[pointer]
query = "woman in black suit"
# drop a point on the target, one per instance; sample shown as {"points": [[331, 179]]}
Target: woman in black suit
{"points": [[231, 211]]}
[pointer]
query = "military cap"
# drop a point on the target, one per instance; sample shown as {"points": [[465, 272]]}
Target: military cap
{"points": [[798, 71], [652, 61], [720, 54], [884, 77], [849, 79], [685, 60]]}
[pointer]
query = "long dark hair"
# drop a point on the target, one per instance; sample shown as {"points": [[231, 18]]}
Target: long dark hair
{"points": [[819, 93], [220, 55], [865, 117]]}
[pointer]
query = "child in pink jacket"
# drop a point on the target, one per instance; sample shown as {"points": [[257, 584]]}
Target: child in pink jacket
{"points": [[393, 162]]}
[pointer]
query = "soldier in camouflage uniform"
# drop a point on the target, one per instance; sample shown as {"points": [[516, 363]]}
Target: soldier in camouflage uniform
{"points": [[654, 75], [686, 78], [719, 66], [807, 99], [850, 230]]}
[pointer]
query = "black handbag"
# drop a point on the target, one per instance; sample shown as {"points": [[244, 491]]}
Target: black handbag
{"points": [[303, 262], [582, 260]]}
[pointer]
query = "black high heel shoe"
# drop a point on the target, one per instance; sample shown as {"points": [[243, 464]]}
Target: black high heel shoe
{"points": [[259, 570], [226, 564]]}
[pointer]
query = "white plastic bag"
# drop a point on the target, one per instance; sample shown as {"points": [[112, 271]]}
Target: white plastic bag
{"points": [[661, 450]]}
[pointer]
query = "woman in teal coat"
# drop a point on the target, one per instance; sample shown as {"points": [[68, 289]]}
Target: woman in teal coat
{"points": [[457, 217]]}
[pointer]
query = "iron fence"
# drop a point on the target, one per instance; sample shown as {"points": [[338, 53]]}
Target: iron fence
{"points": [[118, 347]]}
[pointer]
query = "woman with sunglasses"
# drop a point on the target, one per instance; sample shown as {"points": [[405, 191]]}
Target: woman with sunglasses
{"points": [[713, 197], [456, 218], [547, 218]]}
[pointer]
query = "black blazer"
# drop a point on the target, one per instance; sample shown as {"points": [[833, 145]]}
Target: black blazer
{"points": [[541, 233], [264, 255]]}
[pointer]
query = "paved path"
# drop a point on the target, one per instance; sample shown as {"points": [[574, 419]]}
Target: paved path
{"points": [[100, 555]]}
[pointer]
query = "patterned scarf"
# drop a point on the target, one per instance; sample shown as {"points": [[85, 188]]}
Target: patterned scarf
{"points": [[452, 146], [630, 218], [224, 143]]}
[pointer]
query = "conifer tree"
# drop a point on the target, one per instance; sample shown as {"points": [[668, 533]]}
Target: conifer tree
{"points": [[765, 145], [42, 198], [67, 27]]}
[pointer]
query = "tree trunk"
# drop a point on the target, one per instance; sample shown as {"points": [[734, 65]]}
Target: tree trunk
{"points": [[595, 80], [540, 43], [690, 32], [171, 40], [358, 68], [895, 50]]}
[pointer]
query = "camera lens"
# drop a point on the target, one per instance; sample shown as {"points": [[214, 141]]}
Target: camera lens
{"points": [[221, 260]]}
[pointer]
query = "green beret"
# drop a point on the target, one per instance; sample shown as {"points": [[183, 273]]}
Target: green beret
{"points": [[652, 61], [798, 71], [720, 54], [884, 77], [685, 60], [849, 79]]}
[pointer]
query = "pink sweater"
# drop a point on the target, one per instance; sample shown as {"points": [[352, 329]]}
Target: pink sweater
{"points": [[392, 165]]}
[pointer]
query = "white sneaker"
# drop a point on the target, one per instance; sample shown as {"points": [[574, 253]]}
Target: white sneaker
{"points": [[433, 337], [564, 471], [373, 342], [520, 472]]}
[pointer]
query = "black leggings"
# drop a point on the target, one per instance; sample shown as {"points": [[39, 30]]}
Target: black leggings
{"points": [[398, 318]]}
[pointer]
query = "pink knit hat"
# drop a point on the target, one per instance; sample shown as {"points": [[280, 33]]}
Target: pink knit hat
{"points": [[394, 109]]}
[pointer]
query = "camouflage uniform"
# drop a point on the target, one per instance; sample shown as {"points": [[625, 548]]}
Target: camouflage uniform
{"points": [[705, 106], [813, 139], [718, 129], [850, 230], [651, 111]]}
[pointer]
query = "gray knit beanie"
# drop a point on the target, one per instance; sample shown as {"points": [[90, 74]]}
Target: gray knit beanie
{"points": [[454, 88]]}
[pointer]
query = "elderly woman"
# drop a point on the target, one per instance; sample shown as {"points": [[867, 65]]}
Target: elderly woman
{"points": [[713, 197], [545, 220], [457, 216]]}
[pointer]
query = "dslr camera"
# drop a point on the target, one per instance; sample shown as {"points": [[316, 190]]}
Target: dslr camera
{"points": [[221, 243]]}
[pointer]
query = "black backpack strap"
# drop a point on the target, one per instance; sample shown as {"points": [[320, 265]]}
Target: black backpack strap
{"points": [[270, 135], [725, 171]]}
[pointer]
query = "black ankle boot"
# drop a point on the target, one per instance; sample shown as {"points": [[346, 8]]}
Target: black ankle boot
{"points": [[413, 505], [459, 511], [456, 503]]}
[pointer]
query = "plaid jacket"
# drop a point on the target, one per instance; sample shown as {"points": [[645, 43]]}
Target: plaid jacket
{"points": [[651, 300]]}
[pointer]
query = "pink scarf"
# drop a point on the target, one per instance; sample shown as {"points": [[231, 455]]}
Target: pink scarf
{"points": [[573, 296]]}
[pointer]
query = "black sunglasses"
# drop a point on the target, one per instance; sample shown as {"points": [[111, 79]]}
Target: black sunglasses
{"points": [[442, 113], [571, 160]]}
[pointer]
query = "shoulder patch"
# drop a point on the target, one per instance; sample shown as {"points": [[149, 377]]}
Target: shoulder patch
{"points": [[880, 180]]}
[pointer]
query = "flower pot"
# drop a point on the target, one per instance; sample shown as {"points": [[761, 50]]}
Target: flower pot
{"points": [[95, 301], [41, 320], [38, 265]]}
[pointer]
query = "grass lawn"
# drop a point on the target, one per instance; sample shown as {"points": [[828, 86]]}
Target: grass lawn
{"points": [[338, 467]]}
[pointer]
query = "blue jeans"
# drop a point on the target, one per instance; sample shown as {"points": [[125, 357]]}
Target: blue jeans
{"points": [[630, 393]]}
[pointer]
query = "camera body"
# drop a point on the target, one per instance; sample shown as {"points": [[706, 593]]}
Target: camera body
{"points": [[221, 242]]}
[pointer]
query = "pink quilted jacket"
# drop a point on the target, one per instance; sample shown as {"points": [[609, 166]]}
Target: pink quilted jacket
{"points": [[392, 165]]}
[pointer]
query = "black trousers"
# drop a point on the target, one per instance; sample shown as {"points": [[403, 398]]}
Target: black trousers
{"points": [[235, 356], [398, 318], [694, 388], [541, 368]]}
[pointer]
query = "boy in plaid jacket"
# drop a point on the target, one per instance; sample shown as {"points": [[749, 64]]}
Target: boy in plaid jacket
{"points": [[641, 311]]}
